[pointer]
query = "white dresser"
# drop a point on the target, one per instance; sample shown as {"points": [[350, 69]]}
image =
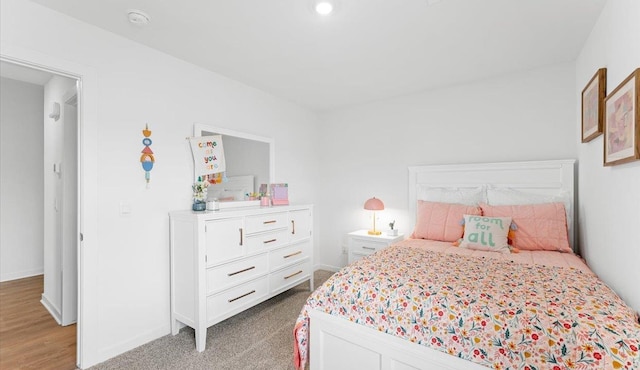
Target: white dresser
{"points": [[223, 262]]}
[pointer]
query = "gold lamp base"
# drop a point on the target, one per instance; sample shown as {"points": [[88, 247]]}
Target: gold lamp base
{"points": [[374, 231]]}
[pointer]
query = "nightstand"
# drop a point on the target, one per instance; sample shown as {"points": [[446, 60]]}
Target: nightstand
{"points": [[362, 244]]}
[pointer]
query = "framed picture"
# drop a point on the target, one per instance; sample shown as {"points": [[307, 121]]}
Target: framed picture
{"points": [[622, 122], [593, 106]]}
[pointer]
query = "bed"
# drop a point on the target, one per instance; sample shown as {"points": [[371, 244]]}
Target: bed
{"points": [[425, 303]]}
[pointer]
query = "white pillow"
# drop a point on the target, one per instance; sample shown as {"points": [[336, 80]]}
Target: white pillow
{"points": [[468, 196], [509, 196]]}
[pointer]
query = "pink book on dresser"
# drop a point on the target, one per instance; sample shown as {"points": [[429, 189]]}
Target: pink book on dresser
{"points": [[279, 194]]}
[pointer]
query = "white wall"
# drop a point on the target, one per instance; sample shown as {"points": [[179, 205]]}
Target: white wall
{"points": [[21, 183], [610, 196], [367, 149], [126, 260], [54, 91]]}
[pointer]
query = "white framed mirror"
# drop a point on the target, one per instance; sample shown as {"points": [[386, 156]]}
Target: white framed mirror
{"points": [[245, 154]]}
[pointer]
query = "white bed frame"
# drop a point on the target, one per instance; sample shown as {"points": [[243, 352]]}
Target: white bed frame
{"points": [[339, 344]]}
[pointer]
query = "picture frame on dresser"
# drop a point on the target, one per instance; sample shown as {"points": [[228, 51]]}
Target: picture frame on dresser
{"points": [[593, 96], [622, 122]]}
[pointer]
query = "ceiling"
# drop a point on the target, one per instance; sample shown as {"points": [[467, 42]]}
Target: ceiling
{"points": [[366, 50]]}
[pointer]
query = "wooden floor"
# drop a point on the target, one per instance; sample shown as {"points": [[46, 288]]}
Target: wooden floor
{"points": [[29, 337]]}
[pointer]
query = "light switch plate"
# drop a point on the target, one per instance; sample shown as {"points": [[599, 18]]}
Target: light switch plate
{"points": [[125, 208]]}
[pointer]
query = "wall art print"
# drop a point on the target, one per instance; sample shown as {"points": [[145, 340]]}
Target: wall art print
{"points": [[208, 155], [593, 97], [622, 122]]}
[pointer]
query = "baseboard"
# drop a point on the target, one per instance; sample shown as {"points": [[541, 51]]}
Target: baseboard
{"points": [[53, 310], [326, 267], [127, 345], [20, 274]]}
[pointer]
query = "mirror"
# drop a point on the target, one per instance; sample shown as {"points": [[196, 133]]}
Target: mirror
{"points": [[245, 155]]}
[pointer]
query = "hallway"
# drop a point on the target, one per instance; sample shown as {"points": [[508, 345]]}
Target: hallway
{"points": [[29, 337]]}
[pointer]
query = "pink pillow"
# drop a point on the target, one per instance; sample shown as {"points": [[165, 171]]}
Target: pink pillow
{"points": [[441, 221], [541, 227]]}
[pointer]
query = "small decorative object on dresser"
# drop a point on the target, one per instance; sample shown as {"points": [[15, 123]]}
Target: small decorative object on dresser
{"points": [[224, 262], [280, 194], [362, 244], [199, 195]]}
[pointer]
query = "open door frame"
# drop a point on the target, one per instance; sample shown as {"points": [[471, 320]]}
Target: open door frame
{"points": [[87, 263], [70, 208]]}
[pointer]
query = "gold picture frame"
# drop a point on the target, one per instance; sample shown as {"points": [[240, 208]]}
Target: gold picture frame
{"points": [[593, 96], [622, 122]]}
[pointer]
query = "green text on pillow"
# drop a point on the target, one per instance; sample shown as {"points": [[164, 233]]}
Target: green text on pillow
{"points": [[486, 233]]}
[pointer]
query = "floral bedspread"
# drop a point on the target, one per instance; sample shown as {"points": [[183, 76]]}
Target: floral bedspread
{"points": [[499, 314]]}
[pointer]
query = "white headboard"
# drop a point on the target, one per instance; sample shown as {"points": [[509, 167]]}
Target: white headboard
{"points": [[539, 177]]}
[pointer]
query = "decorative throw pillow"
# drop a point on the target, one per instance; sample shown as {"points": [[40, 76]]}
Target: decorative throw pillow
{"points": [[441, 221], [540, 226], [486, 233]]}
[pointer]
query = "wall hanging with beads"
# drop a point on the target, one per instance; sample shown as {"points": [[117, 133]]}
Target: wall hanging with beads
{"points": [[147, 159]]}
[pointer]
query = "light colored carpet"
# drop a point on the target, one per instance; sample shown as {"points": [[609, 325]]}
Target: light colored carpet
{"points": [[258, 338]]}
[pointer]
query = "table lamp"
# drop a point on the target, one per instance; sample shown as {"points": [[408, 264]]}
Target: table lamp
{"points": [[374, 205]]}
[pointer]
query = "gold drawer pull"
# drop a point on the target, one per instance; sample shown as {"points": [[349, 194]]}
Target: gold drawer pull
{"points": [[292, 275], [269, 222], [241, 271], [269, 241], [369, 248], [242, 296], [292, 254]]}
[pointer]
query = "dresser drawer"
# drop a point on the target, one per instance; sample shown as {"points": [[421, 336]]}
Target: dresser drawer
{"points": [[266, 241], [260, 223], [290, 276], [227, 275], [362, 246], [232, 301], [289, 255]]}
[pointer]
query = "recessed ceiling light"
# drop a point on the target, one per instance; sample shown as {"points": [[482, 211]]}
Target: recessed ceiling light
{"points": [[138, 17], [324, 8]]}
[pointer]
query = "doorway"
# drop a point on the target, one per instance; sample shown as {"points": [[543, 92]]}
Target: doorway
{"points": [[60, 177]]}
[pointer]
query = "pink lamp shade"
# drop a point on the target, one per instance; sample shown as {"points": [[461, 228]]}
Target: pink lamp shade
{"points": [[374, 204]]}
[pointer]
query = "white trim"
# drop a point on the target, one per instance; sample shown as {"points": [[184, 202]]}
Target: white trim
{"points": [[326, 267], [21, 274], [53, 309], [88, 334], [134, 342]]}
